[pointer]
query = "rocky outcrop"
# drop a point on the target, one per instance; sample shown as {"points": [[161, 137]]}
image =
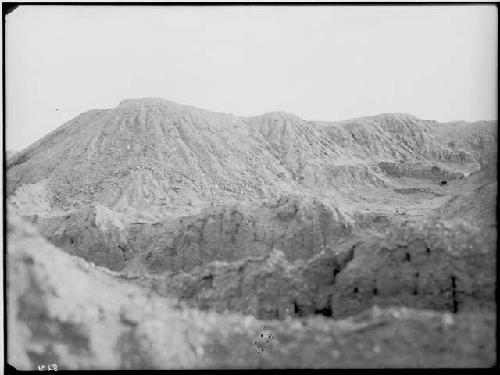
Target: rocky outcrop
{"points": [[301, 227], [66, 312], [435, 266], [94, 233]]}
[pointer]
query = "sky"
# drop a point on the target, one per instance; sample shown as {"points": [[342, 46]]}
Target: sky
{"points": [[319, 62]]}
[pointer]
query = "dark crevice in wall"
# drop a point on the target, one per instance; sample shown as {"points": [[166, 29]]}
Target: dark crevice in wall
{"points": [[454, 294]]}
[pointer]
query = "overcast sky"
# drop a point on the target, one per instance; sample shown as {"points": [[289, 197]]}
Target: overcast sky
{"points": [[321, 63]]}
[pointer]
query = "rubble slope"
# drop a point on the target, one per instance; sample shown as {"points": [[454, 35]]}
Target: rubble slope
{"points": [[74, 326]]}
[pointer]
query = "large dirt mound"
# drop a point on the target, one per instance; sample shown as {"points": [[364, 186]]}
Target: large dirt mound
{"points": [[152, 153]]}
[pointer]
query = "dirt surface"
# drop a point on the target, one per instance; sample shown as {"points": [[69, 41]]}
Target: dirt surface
{"points": [[224, 224], [98, 320]]}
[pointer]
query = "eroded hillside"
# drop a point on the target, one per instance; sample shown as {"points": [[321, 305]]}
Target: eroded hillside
{"points": [[273, 217]]}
